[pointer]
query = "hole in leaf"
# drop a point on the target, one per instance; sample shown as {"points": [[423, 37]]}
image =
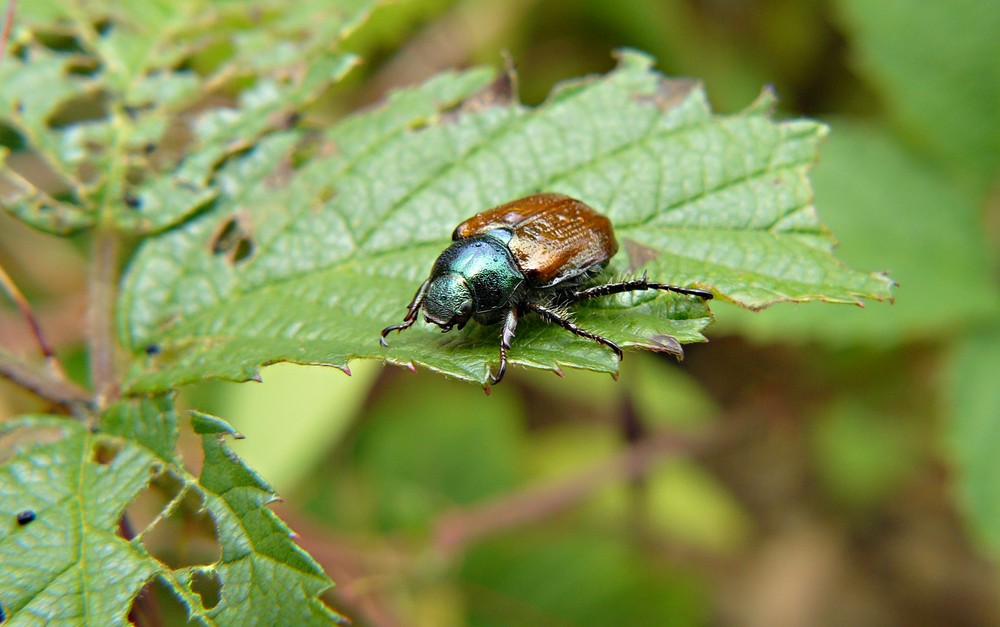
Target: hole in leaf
{"points": [[150, 503], [206, 584], [233, 239], [326, 194], [144, 606], [165, 603], [105, 452], [132, 202], [244, 248], [38, 173], [86, 108], [12, 138], [58, 40], [184, 537]]}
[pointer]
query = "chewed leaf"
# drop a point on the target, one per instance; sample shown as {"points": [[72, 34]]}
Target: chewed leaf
{"points": [[334, 249], [69, 560], [129, 131]]}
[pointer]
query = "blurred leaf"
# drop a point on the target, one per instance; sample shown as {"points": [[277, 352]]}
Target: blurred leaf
{"points": [[938, 67], [899, 214], [285, 438], [975, 430], [433, 446], [664, 395], [138, 145], [71, 561], [687, 503], [571, 578], [863, 457], [332, 254]]}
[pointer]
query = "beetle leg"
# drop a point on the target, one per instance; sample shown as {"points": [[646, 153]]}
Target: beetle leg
{"points": [[554, 316], [411, 313], [634, 285], [506, 335]]}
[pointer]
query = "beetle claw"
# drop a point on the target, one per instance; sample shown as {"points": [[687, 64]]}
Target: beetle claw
{"points": [[498, 377]]}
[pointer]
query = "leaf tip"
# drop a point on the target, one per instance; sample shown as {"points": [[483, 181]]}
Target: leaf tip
{"points": [[207, 424], [764, 103], [632, 59]]}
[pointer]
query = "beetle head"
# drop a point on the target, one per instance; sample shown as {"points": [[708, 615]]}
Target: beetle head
{"points": [[448, 302]]}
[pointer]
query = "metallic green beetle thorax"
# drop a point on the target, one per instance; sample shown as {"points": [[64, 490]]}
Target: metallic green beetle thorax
{"points": [[486, 265]]}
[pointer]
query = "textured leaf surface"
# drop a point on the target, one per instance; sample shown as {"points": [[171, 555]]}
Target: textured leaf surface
{"points": [[145, 147], [70, 565], [309, 264]]}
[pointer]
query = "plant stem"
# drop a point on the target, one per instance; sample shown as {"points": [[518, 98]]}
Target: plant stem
{"points": [[102, 290], [22, 304], [8, 24], [59, 391]]}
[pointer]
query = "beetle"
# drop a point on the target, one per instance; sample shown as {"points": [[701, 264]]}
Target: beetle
{"points": [[534, 254]]}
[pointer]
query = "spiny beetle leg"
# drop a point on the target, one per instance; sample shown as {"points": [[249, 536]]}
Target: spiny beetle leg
{"points": [[411, 314], [635, 285], [506, 336], [395, 327], [554, 316]]}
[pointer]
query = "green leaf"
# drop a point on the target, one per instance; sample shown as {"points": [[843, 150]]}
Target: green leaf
{"points": [[70, 564], [333, 252], [938, 67], [974, 430]]}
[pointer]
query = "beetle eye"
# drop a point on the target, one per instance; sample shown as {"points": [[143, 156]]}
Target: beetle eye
{"points": [[465, 309]]}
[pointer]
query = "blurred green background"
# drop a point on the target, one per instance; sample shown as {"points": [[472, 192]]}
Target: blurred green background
{"points": [[811, 465]]}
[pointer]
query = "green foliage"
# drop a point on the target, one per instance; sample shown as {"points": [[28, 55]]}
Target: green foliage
{"points": [[71, 564], [124, 159], [185, 127], [942, 94], [945, 90]]}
